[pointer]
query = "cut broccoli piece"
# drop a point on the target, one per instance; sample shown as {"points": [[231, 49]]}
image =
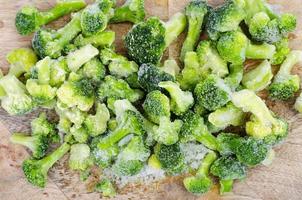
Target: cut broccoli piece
{"points": [[41, 93], [132, 80], [147, 40], [260, 51], [41, 126], [131, 11], [195, 12], [194, 129], [79, 157], [258, 78], [226, 116], [36, 171], [74, 115], [29, 18], [201, 182], [149, 76], [97, 124], [212, 93], [226, 142], [80, 134], [210, 60], [284, 84], [228, 168], [118, 89], [181, 101], [102, 39], [106, 188], [93, 69], [130, 160], [282, 50], [234, 79], [171, 67]]}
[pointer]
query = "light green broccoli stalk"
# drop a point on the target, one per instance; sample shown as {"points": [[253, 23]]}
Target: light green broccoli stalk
{"points": [[147, 40], [102, 39], [195, 12], [80, 134], [29, 18], [228, 168], [298, 104], [171, 67], [181, 101], [201, 182], [227, 116], [36, 171], [262, 51], [97, 124], [130, 160], [282, 50], [21, 61], [285, 85], [106, 188], [234, 79], [131, 11], [118, 65], [16, 100], [258, 78], [79, 158], [93, 69]]}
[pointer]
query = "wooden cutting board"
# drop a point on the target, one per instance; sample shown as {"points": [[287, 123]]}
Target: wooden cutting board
{"points": [[282, 180]]}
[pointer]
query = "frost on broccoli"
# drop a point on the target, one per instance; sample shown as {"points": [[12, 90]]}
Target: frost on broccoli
{"points": [[234, 79], [79, 158], [93, 69], [41, 126], [131, 11], [171, 67], [102, 39]]}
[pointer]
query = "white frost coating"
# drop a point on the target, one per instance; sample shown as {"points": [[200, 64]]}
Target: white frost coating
{"points": [[193, 153]]}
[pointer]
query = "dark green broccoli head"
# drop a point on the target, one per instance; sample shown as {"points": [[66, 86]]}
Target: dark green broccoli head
{"points": [[145, 42], [286, 89], [84, 87], [33, 173], [27, 20], [197, 185]]}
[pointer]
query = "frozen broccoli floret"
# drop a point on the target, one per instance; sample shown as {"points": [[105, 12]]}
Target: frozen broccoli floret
{"points": [[130, 160], [181, 101], [16, 100], [29, 18], [284, 84], [224, 18], [38, 144], [258, 78], [262, 123], [21, 61], [228, 168], [171, 158], [234, 79], [36, 171], [118, 65], [97, 124], [41, 93], [41, 126], [58, 72], [94, 69], [210, 60], [118, 89], [156, 106], [227, 116], [149, 76], [147, 40], [282, 50], [212, 93], [102, 39], [80, 134], [171, 67], [74, 115], [81, 56], [79, 157], [201, 182], [131, 11], [195, 12], [194, 129], [106, 188], [226, 142]]}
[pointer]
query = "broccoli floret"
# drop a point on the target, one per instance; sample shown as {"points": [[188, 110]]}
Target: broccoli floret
{"points": [[171, 158], [102, 39], [80, 134], [228, 168], [131, 11], [227, 116], [234, 79], [81, 56], [149, 76], [38, 144], [226, 142], [224, 18], [181, 101], [284, 84], [58, 72], [262, 123], [201, 182], [79, 157], [21, 61], [74, 115], [106, 188], [147, 40], [36, 171], [93, 69], [16, 100], [282, 50], [171, 67], [51, 42], [195, 12], [194, 129], [212, 93], [118, 65], [29, 18], [41, 126], [210, 60], [156, 106], [118, 89], [131, 159], [41, 93], [97, 124]]}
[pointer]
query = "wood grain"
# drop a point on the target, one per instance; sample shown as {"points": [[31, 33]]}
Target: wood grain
{"points": [[280, 181]]}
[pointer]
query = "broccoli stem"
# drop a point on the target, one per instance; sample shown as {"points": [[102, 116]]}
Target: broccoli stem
{"points": [[293, 58], [207, 161], [113, 138], [11, 84], [105, 38], [25, 140], [234, 78], [226, 186], [264, 51], [208, 140], [174, 27], [131, 11]]}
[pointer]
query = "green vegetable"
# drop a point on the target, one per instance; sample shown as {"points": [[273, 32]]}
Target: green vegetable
{"points": [[93, 69], [101, 39], [106, 188], [234, 79], [282, 50], [131, 11], [79, 157], [80, 134], [171, 67]]}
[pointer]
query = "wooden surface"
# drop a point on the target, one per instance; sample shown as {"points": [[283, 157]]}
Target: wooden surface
{"points": [[282, 180]]}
